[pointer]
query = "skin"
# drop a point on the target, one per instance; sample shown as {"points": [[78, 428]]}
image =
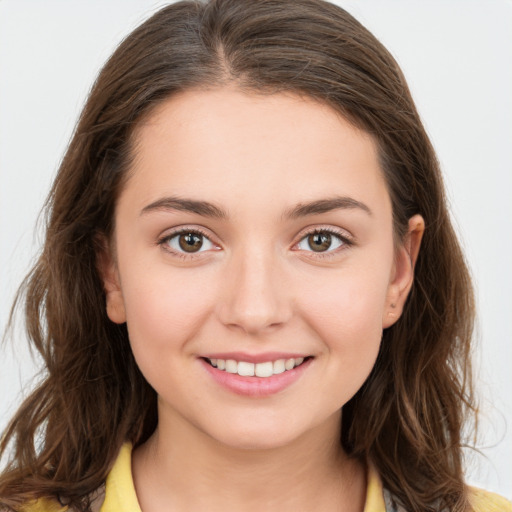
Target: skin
{"points": [[255, 286]]}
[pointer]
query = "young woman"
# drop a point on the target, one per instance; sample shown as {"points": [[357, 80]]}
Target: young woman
{"points": [[250, 296]]}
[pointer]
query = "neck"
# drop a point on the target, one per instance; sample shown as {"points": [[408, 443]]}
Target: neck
{"points": [[182, 468]]}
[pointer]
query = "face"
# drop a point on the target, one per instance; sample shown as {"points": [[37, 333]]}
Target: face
{"points": [[255, 263]]}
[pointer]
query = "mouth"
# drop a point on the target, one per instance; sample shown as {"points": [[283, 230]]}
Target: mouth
{"points": [[264, 369], [256, 375]]}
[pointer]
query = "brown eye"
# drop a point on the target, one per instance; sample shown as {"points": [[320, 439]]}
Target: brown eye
{"points": [[190, 242], [320, 242]]}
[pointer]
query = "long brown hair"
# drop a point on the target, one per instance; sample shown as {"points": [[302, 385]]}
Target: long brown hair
{"points": [[407, 417]]}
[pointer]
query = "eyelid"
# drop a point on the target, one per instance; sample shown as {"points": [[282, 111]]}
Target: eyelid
{"points": [[347, 239], [178, 230]]}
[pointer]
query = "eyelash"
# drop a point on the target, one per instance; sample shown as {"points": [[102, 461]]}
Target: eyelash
{"points": [[345, 240], [164, 241]]}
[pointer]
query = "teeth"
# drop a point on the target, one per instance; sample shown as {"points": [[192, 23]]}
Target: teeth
{"points": [[266, 369], [279, 366], [245, 369], [231, 366]]}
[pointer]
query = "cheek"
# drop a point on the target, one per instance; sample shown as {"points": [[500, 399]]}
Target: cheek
{"points": [[347, 317], [346, 311], [163, 312], [352, 295]]}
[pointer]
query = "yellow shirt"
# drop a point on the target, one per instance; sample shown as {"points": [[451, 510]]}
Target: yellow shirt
{"points": [[119, 494]]}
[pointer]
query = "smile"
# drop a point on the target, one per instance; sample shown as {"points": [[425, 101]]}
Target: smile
{"points": [[264, 369], [256, 376]]}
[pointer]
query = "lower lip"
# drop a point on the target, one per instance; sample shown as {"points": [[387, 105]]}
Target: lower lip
{"points": [[256, 386]]}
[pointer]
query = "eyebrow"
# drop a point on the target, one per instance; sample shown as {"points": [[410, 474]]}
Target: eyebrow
{"points": [[207, 209], [326, 205], [203, 208]]}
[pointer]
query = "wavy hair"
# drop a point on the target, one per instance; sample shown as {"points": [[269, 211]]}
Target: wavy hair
{"points": [[407, 417]]}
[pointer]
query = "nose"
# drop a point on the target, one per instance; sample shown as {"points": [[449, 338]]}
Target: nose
{"points": [[255, 299]]}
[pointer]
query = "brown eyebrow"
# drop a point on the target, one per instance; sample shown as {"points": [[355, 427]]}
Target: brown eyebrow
{"points": [[203, 208], [207, 209], [326, 205]]}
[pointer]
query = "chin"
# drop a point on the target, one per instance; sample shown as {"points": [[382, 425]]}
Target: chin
{"points": [[260, 441], [260, 435]]}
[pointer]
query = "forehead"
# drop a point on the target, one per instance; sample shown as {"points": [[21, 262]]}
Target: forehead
{"points": [[227, 144]]}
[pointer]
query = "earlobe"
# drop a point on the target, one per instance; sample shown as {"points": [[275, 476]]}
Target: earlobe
{"points": [[109, 275], [115, 307], [403, 271]]}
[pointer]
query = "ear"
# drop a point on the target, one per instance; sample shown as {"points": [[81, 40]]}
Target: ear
{"points": [[402, 275], [107, 268]]}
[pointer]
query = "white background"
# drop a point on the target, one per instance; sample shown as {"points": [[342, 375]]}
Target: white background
{"points": [[457, 56]]}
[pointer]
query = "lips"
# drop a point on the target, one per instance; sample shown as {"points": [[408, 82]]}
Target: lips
{"points": [[256, 376]]}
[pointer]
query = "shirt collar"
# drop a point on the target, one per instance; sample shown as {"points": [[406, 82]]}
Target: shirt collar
{"points": [[120, 490]]}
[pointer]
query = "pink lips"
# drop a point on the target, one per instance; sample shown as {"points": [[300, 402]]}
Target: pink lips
{"points": [[255, 386]]}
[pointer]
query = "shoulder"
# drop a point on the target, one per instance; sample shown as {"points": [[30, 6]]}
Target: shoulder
{"points": [[48, 505], [485, 501], [44, 505]]}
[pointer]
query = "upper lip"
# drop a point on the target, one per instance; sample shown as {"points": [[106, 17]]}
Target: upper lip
{"points": [[255, 358]]}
